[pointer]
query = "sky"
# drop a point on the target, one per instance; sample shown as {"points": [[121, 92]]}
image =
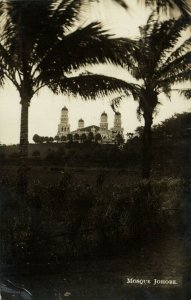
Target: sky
{"points": [[45, 109]]}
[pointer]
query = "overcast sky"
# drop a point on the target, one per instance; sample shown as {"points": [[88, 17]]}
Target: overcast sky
{"points": [[45, 109]]}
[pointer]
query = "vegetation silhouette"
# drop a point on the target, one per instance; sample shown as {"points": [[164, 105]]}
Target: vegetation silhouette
{"points": [[162, 5], [159, 60]]}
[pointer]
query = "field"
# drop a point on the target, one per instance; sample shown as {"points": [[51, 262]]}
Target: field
{"points": [[89, 205]]}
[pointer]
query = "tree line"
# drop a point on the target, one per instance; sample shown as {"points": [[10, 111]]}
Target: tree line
{"points": [[76, 138]]}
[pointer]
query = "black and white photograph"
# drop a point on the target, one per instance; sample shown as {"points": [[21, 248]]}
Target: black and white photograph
{"points": [[95, 149]]}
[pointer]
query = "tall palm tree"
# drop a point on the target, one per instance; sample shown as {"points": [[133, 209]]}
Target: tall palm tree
{"points": [[40, 46], [159, 61]]}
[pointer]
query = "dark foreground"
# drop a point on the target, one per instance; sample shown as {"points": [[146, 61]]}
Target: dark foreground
{"points": [[110, 278], [68, 241]]}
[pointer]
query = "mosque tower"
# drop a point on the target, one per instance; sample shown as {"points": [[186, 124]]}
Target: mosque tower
{"points": [[104, 123], [117, 123], [80, 124], [63, 127]]}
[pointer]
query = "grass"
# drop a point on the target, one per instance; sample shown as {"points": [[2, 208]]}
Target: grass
{"points": [[55, 222]]}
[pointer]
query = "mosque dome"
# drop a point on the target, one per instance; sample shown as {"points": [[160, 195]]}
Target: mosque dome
{"points": [[64, 108]]}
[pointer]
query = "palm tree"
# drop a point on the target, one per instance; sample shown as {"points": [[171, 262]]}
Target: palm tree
{"points": [[39, 47], [159, 61]]}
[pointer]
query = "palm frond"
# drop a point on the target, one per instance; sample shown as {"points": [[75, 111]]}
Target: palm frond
{"points": [[168, 36], [180, 51], [27, 27], [6, 58], [183, 5], [90, 86], [186, 93], [166, 89], [122, 3], [2, 76], [180, 77], [164, 5], [156, 58], [37, 25], [115, 102], [67, 13], [88, 45], [158, 39], [177, 66], [8, 67]]}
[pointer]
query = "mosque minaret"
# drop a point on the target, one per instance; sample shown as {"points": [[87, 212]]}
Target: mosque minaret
{"points": [[64, 126], [80, 124], [104, 123], [117, 123]]}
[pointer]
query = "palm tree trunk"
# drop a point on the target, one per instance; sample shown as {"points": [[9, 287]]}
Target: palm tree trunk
{"points": [[23, 145], [147, 146]]}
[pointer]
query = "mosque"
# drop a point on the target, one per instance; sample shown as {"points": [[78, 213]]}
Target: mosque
{"points": [[107, 135]]}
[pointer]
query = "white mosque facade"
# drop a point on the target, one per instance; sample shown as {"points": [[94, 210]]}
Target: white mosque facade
{"points": [[108, 135]]}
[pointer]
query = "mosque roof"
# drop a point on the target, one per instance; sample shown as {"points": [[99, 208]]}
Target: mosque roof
{"points": [[87, 129]]}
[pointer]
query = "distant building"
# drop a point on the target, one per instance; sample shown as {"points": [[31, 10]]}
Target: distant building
{"points": [[107, 135]]}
